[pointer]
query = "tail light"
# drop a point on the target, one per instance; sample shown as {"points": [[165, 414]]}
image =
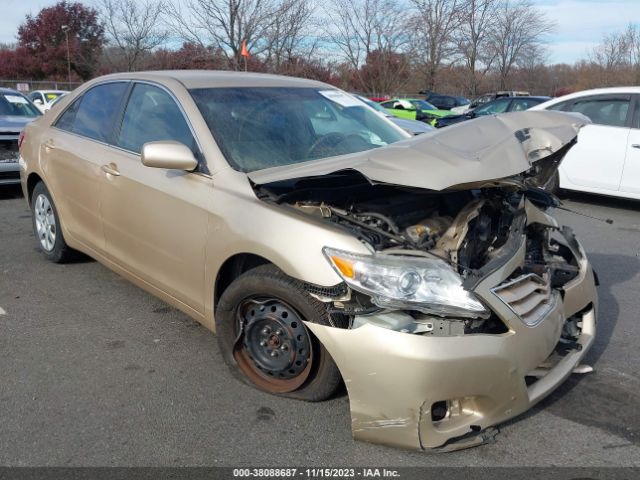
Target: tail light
{"points": [[20, 139]]}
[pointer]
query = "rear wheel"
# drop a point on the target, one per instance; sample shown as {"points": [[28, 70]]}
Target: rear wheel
{"points": [[262, 337], [46, 226]]}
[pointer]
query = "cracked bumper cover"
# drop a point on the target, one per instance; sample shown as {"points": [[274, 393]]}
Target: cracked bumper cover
{"points": [[394, 378]]}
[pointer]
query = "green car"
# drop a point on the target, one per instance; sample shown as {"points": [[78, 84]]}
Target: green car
{"points": [[414, 109]]}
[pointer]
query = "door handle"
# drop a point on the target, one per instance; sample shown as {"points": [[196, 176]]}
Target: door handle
{"points": [[635, 145], [111, 169], [48, 145]]}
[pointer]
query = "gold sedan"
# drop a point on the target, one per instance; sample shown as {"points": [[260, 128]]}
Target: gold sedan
{"points": [[323, 244]]}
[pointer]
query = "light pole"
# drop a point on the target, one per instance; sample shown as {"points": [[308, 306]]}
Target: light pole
{"points": [[65, 29]]}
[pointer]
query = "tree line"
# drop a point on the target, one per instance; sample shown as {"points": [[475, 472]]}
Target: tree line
{"points": [[377, 47]]}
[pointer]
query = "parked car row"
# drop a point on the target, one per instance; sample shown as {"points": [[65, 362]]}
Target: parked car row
{"points": [[414, 127], [414, 109], [44, 99], [499, 105]]}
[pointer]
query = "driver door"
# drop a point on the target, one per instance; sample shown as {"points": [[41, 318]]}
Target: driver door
{"points": [[155, 220]]}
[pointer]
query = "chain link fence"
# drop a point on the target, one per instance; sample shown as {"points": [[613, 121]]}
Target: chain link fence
{"points": [[29, 85]]}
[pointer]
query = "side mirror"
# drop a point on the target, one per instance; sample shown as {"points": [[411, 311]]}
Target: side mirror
{"points": [[168, 154], [37, 101]]}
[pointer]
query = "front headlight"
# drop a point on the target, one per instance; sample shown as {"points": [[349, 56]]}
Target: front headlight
{"points": [[428, 285]]}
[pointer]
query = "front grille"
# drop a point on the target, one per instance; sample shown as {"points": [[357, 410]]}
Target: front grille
{"points": [[529, 296], [9, 175], [8, 150]]}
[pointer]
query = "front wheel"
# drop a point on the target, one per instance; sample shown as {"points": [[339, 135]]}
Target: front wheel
{"points": [[46, 226], [262, 337]]}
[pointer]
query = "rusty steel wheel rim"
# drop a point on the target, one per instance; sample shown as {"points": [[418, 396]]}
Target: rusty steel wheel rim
{"points": [[272, 348]]}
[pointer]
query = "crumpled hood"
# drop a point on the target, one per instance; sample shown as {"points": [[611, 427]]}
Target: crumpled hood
{"points": [[485, 149]]}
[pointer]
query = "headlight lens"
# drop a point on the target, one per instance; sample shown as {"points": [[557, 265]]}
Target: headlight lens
{"points": [[428, 285]]}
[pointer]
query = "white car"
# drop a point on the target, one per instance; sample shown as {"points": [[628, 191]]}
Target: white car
{"points": [[43, 99], [606, 159]]}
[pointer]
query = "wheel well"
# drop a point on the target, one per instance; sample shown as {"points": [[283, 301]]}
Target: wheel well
{"points": [[232, 268], [32, 181]]}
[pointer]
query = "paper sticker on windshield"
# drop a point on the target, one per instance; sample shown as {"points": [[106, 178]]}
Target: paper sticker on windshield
{"points": [[15, 99], [341, 98]]}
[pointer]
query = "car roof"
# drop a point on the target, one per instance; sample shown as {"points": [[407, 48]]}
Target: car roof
{"points": [[218, 78], [588, 93], [10, 90], [527, 97], [599, 91], [49, 91]]}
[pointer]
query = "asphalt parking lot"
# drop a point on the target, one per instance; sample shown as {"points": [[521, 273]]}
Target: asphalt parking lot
{"points": [[95, 371]]}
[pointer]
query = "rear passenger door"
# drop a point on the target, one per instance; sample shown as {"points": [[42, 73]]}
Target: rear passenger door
{"points": [[597, 160], [74, 151], [155, 219]]}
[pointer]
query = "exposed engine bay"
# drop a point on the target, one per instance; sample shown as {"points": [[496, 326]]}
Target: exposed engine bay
{"points": [[473, 230]]}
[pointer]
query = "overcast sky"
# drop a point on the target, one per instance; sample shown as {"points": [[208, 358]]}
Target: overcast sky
{"points": [[581, 23]]}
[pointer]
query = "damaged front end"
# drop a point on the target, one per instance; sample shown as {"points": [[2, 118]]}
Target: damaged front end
{"points": [[473, 303]]}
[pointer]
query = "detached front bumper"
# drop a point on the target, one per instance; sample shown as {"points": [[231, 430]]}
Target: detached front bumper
{"points": [[394, 379]]}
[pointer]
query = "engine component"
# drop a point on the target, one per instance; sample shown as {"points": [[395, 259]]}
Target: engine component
{"points": [[427, 232]]}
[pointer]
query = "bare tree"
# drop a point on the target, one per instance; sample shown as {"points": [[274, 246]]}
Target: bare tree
{"points": [[133, 29], [226, 24], [611, 52], [519, 26], [433, 25], [288, 39], [632, 44], [472, 38], [371, 30]]}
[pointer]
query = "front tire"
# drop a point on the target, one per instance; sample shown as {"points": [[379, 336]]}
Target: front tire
{"points": [[46, 226], [264, 341]]}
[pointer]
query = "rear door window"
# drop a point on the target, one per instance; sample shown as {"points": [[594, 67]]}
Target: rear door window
{"points": [[604, 110], [560, 106], [93, 115]]}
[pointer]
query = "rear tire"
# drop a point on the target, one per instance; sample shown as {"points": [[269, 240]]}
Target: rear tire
{"points": [[264, 342], [46, 227]]}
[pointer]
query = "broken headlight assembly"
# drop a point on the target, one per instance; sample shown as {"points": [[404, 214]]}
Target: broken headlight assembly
{"points": [[428, 285]]}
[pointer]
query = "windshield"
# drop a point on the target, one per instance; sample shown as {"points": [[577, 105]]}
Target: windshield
{"points": [[15, 105], [422, 105], [263, 127]]}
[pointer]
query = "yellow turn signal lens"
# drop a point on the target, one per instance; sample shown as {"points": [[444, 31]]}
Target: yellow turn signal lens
{"points": [[345, 266]]}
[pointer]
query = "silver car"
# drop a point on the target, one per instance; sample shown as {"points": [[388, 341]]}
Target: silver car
{"points": [[15, 112]]}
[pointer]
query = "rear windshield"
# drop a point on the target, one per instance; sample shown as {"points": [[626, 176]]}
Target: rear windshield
{"points": [[13, 104], [263, 127]]}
